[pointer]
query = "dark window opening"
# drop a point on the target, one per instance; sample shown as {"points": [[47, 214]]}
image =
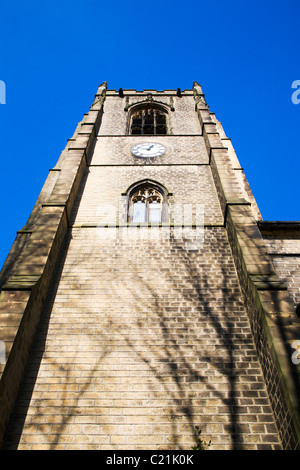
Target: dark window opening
{"points": [[298, 310], [149, 122], [136, 130]]}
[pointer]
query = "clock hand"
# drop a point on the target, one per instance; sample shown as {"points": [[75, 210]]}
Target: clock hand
{"points": [[150, 147]]}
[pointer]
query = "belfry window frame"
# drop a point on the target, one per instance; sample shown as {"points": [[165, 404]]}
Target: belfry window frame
{"points": [[148, 117]]}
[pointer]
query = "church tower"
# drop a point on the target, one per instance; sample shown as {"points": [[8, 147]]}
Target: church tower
{"points": [[146, 296]]}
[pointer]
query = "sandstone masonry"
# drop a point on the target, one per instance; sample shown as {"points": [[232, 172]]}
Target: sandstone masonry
{"points": [[128, 336]]}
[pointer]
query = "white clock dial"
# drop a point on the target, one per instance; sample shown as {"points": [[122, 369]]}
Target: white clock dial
{"points": [[148, 150]]}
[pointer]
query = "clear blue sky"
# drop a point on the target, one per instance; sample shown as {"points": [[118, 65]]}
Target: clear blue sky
{"points": [[54, 54]]}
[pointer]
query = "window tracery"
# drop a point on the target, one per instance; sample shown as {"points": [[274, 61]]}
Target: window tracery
{"points": [[148, 121], [146, 204]]}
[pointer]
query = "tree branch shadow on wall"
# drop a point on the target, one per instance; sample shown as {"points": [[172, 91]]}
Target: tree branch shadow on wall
{"points": [[175, 355], [181, 360], [37, 354]]}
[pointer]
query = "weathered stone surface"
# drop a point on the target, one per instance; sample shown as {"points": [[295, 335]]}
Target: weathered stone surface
{"points": [[145, 340], [143, 333], [30, 270]]}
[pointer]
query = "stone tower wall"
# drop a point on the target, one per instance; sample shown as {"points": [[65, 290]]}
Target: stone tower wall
{"points": [[142, 334]]}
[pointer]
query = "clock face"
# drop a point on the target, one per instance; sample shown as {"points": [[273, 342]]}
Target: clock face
{"points": [[148, 150]]}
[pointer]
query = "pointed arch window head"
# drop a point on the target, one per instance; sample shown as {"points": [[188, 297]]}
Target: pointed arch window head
{"points": [[146, 204], [148, 121]]}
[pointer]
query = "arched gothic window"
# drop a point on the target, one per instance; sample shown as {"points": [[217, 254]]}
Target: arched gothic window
{"points": [[148, 121], [146, 204]]}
